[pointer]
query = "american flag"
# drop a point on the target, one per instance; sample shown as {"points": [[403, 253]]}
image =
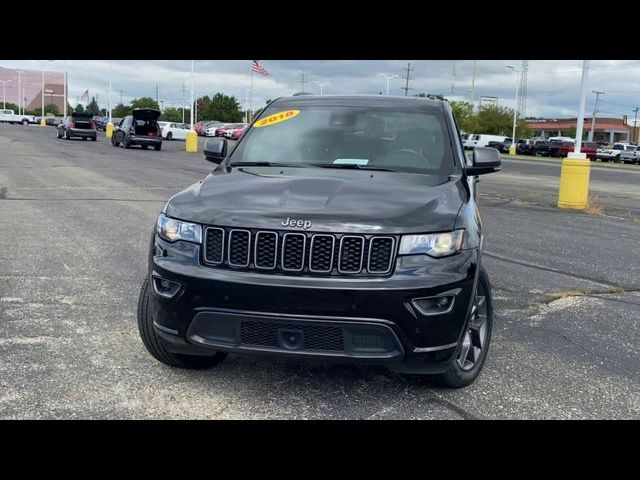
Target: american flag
{"points": [[256, 66], [85, 96]]}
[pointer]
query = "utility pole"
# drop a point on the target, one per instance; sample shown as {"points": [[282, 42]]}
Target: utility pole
{"points": [[453, 76], [635, 121], [473, 84], [121, 97], [593, 118], [156, 93], [408, 77]]}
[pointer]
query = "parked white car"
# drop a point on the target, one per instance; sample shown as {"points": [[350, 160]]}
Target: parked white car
{"points": [[175, 131]]}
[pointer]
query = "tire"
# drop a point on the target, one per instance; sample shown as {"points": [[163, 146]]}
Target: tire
{"points": [[66, 135], [126, 142], [84, 138], [457, 376], [114, 142], [58, 134], [93, 139], [169, 136], [158, 147], [155, 346], [25, 122]]}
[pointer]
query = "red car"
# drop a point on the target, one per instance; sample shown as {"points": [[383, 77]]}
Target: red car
{"points": [[235, 133], [199, 126], [590, 149]]}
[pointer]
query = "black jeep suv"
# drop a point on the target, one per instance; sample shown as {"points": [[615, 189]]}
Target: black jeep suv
{"points": [[139, 128], [340, 228]]}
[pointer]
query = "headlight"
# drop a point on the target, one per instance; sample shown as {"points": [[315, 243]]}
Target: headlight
{"points": [[433, 244], [171, 230]]}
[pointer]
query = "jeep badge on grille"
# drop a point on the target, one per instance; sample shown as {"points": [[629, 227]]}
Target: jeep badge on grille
{"points": [[290, 222]]}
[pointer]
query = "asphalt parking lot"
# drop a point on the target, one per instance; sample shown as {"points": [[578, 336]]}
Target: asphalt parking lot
{"points": [[76, 220]]}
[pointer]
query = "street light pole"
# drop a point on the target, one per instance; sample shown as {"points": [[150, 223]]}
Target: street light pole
{"points": [[388, 77], [4, 93], [192, 136], [19, 91], [635, 121], [595, 111], [512, 148], [576, 168], [322, 85]]}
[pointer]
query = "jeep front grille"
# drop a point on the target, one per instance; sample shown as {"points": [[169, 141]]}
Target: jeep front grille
{"points": [[299, 253]]}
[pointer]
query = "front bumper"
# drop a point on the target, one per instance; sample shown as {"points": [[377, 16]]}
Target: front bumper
{"points": [[361, 320]]}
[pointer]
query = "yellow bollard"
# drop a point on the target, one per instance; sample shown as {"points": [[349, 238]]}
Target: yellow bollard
{"points": [[109, 130], [574, 183], [192, 141], [43, 122], [512, 150]]}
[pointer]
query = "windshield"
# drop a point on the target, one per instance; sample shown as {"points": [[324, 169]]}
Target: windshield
{"points": [[342, 136]]}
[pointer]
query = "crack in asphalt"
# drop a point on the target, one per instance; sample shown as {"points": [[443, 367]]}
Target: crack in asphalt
{"points": [[602, 282]]}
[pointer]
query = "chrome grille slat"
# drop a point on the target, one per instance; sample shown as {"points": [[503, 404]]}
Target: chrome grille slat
{"points": [[301, 253]]}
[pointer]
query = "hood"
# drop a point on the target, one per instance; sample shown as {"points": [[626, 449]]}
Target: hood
{"points": [[145, 114], [332, 200]]}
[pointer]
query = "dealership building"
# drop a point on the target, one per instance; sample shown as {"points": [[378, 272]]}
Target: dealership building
{"points": [[27, 85], [606, 129]]}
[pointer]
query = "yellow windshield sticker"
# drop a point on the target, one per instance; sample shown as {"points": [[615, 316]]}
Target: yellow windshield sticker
{"points": [[276, 118]]}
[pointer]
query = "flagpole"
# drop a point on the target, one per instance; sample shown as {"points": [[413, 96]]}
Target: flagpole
{"points": [[249, 113]]}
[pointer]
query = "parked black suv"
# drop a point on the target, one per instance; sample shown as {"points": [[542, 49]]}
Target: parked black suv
{"points": [[77, 125], [139, 128], [340, 228]]}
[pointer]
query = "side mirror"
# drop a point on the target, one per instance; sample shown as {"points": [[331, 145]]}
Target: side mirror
{"points": [[215, 150], [485, 160]]}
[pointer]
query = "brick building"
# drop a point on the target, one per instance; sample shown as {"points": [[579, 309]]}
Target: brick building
{"points": [[607, 129], [30, 82]]}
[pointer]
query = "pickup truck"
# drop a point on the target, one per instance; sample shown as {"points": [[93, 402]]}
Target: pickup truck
{"points": [[9, 116], [614, 152], [630, 154], [588, 148]]}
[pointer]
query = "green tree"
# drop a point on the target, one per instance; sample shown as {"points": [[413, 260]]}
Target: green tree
{"points": [[463, 112], [52, 109], [144, 102], [121, 111], [92, 108], [11, 106], [69, 109], [172, 114], [221, 107], [79, 108]]}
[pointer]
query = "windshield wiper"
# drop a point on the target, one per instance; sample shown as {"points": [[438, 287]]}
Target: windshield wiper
{"points": [[351, 166], [266, 164]]}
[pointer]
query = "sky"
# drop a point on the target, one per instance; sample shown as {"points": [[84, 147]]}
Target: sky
{"points": [[553, 85]]}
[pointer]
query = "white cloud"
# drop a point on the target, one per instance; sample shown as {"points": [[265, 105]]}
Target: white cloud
{"points": [[553, 85]]}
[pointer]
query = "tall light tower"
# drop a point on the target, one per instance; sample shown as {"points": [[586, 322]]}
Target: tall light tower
{"points": [[522, 91], [595, 111], [192, 136]]}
